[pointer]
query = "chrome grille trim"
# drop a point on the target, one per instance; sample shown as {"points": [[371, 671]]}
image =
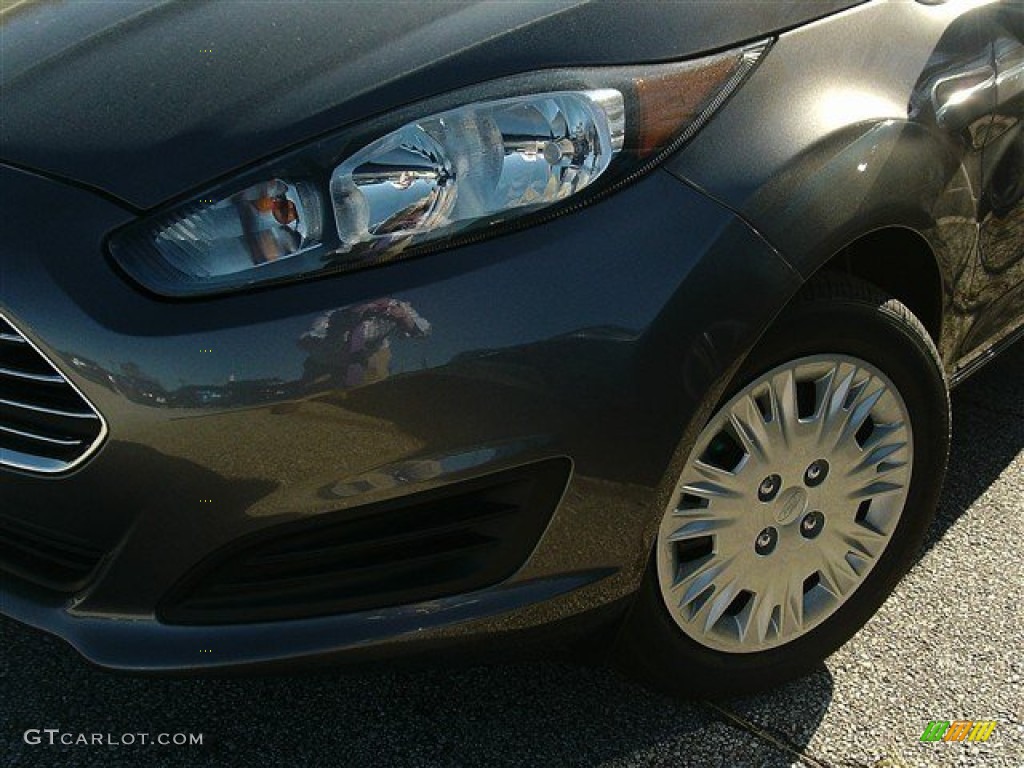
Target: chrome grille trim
{"points": [[48, 378], [92, 414], [23, 457], [39, 438]]}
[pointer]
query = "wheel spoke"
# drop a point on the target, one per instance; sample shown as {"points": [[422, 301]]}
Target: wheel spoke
{"points": [[758, 616], [831, 409], [784, 410], [883, 432], [838, 577], [863, 542], [719, 604], [695, 514], [793, 604], [711, 490], [860, 410], [824, 395], [697, 529], [749, 425], [695, 583], [873, 458], [875, 489]]}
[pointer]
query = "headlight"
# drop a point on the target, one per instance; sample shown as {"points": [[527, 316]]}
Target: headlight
{"points": [[432, 177], [477, 161]]}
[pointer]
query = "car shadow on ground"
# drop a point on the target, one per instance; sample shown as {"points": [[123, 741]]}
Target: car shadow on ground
{"points": [[536, 714], [543, 714], [988, 434]]}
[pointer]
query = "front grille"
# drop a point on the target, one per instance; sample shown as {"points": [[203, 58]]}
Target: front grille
{"points": [[44, 557], [446, 542], [46, 425]]}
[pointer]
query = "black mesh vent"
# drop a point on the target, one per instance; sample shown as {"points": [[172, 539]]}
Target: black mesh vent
{"points": [[457, 539], [45, 424], [44, 557]]}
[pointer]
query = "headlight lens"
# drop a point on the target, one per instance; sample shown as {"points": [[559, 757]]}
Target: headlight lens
{"points": [[263, 223], [432, 176], [427, 178]]}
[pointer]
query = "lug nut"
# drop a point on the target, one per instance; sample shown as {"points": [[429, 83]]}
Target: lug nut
{"points": [[769, 488], [812, 524], [766, 540], [816, 473]]}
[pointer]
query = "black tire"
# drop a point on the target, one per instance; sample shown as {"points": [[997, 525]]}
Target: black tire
{"points": [[832, 314]]}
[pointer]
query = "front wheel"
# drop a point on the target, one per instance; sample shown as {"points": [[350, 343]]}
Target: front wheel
{"points": [[802, 501]]}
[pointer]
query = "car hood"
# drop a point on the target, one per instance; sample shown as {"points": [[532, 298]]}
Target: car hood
{"points": [[147, 100]]}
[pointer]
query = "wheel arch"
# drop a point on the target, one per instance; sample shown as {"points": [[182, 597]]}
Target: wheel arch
{"points": [[901, 262]]}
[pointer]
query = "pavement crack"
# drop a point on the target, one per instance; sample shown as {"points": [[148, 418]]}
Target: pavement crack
{"points": [[764, 735]]}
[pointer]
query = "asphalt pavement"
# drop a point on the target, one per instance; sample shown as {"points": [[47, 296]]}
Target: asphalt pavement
{"points": [[947, 645]]}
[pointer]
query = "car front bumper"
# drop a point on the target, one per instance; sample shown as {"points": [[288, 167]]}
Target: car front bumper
{"points": [[603, 337]]}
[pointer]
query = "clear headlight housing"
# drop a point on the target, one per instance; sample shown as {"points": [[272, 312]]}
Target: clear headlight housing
{"points": [[472, 163], [434, 176]]}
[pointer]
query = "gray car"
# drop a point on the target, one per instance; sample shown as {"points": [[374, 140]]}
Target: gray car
{"points": [[340, 331]]}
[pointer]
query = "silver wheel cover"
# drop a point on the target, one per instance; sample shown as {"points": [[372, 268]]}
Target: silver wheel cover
{"points": [[790, 496]]}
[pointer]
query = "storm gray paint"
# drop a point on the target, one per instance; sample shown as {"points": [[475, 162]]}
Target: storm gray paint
{"points": [[606, 335], [189, 91], [860, 139], [587, 351]]}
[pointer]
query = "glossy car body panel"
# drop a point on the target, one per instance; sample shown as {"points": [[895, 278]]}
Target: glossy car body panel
{"points": [[606, 336], [998, 290], [905, 132]]}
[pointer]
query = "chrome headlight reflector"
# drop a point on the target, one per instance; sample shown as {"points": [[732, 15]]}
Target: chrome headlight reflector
{"points": [[435, 175]]}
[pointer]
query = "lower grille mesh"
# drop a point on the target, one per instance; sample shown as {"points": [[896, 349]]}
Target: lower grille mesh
{"points": [[458, 539], [45, 424], [45, 558]]}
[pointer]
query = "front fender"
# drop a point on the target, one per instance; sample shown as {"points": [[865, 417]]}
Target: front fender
{"points": [[861, 138]]}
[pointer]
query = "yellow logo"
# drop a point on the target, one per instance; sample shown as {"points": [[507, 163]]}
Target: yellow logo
{"points": [[958, 730]]}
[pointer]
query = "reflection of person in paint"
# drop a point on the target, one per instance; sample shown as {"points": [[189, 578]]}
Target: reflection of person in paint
{"points": [[351, 346]]}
